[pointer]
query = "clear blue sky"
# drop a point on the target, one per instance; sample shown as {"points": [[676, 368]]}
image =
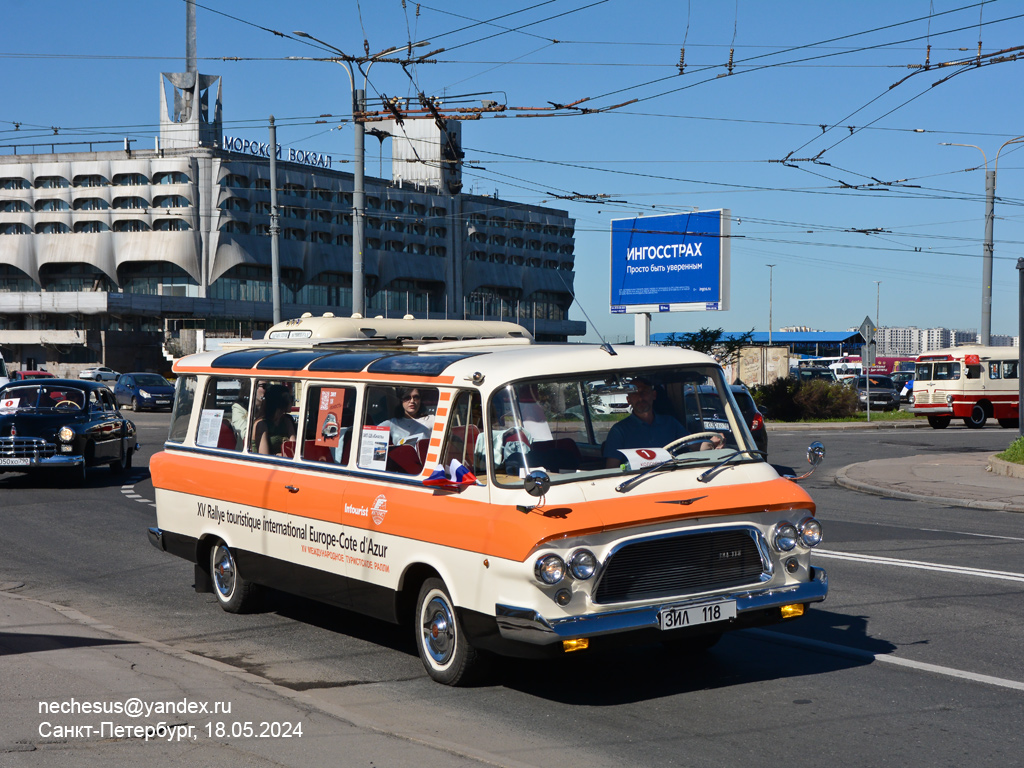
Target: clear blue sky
{"points": [[810, 80]]}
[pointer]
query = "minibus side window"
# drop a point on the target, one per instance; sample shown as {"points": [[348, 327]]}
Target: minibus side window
{"points": [[1010, 369], [993, 370], [272, 423], [222, 418], [465, 425], [184, 397], [974, 371], [327, 431], [397, 422]]}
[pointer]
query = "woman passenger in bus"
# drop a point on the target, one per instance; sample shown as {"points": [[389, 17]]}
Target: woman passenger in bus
{"points": [[410, 422], [276, 425]]}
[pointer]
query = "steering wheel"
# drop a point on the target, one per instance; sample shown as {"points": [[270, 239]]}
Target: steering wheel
{"points": [[71, 403], [692, 439]]}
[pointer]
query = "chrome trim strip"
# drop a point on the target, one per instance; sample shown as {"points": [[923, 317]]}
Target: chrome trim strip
{"points": [[528, 626]]}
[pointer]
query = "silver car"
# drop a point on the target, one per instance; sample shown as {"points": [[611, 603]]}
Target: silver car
{"points": [[99, 373]]}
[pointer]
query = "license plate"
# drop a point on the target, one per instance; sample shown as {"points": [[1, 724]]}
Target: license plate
{"points": [[6, 462], [163, 402], [693, 615]]}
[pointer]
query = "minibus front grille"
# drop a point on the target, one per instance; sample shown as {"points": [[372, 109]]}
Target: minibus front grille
{"points": [[681, 565], [26, 447]]}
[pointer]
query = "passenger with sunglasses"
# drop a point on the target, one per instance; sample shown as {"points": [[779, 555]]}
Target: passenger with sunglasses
{"points": [[410, 423]]}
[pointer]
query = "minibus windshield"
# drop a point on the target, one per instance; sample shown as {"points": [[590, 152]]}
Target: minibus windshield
{"points": [[609, 423]]}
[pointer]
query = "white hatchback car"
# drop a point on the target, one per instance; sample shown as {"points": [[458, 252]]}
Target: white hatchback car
{"points": [[99, 373]]}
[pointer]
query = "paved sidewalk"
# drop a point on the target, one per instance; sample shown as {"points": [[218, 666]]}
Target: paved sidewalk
{"points": [[56, 658], [956, 479]]}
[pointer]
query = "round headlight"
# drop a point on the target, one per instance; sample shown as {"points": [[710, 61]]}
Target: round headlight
{"points": [[549, 569], [949, 399], [785, 537], [810, 532], [582, 564], [912, 401], [66, 434]]}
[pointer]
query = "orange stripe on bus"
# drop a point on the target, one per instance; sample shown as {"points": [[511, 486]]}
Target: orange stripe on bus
{"points": [[448, 518]]}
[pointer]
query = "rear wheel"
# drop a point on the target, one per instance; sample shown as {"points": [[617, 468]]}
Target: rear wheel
{"points": [[234, 593], [977, 418], [440, 638], [939, 422]]}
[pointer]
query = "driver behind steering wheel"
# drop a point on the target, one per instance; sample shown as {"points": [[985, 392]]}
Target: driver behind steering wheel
{"points": [[644, 428]]}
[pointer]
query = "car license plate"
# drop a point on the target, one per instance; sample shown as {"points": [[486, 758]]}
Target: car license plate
{"points": [[692, 615], [7, 462], [163, 402]]}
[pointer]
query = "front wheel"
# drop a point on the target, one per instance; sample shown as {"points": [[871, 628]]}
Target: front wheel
{"points": [[440, 638], [977, 418], [234, 593], [123, 463], [135, 404], [938, 422]]}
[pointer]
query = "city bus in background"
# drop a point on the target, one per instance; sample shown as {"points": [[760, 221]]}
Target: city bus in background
{"points": [[972, 383]]}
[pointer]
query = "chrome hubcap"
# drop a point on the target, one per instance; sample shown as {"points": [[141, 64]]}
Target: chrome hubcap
{"points": [[438, 630], [223, 572]]}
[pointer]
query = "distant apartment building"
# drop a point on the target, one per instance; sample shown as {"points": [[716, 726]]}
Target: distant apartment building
{"points": [[911, 341]]}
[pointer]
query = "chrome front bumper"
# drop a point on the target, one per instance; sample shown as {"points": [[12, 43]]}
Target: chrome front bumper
{"points": [[527, 626]]}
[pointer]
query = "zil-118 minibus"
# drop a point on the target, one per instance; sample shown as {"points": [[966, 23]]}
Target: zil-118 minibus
{"points": [[463, 479]]}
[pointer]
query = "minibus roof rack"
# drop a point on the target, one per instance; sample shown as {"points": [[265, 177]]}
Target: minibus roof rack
{"points": [[328, 329]]}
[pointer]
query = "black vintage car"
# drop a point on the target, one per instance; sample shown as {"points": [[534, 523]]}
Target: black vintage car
{"points": [[63, 423]]}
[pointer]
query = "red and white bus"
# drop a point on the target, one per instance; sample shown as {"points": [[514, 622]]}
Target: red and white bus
{"points": [[971, 383]]}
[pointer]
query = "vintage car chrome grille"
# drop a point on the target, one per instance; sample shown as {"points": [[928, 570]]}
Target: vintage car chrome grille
{"points": [[26, 447], [681, 565]]}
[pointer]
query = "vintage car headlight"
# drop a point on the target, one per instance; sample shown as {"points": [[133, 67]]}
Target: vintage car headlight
{"points": [[785, 537], [810, 532], [549, 569], [912, 401], [582, 564], [949, 399], [66, 434]]}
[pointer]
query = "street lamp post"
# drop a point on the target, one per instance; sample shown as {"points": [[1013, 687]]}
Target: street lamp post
{"points": [[878, 298], [771, 268], [986, 260], [359, 177]]}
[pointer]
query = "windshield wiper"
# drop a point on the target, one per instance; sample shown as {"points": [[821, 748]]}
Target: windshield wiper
{"points": [[635, 481], [705, 477]]}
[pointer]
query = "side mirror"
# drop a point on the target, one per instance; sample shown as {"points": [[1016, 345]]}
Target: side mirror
{"points": [[815, 455], [537, 483]]}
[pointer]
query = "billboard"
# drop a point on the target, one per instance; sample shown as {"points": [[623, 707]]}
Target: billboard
{"points": [[673, 263]]}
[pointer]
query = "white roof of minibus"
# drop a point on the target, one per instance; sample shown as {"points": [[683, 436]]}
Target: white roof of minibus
{"points": [[504, 360], [1003, 353]]}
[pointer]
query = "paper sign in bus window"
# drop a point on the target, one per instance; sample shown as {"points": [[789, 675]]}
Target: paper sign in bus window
{"points": [[373, 448], [328, 422]]}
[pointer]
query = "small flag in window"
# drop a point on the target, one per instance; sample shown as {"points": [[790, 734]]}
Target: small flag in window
{"points": [[454, 475]]}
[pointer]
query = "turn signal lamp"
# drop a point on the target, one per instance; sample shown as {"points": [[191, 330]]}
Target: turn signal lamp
{"points": [[579, 644], [792, 611]]}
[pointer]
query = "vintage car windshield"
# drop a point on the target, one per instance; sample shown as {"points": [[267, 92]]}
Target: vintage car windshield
{"points": [[573, 427], [42, 397]]}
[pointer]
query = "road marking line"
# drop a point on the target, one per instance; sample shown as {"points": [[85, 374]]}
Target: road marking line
{"points": [[777, 637], [921, 565]]}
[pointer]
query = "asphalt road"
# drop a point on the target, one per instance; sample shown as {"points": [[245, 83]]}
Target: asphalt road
{"points": [[912, 661]]}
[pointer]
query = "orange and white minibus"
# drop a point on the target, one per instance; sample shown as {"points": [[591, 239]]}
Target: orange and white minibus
{"points": [[466, 480], [972, 383]]}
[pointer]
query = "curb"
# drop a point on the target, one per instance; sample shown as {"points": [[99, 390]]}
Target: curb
{"points": [[1005, 468], [842, 480], [833, 426]]}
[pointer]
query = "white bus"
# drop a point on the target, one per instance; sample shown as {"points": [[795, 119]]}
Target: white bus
{"points": [[972, 383], [480, 489]]}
